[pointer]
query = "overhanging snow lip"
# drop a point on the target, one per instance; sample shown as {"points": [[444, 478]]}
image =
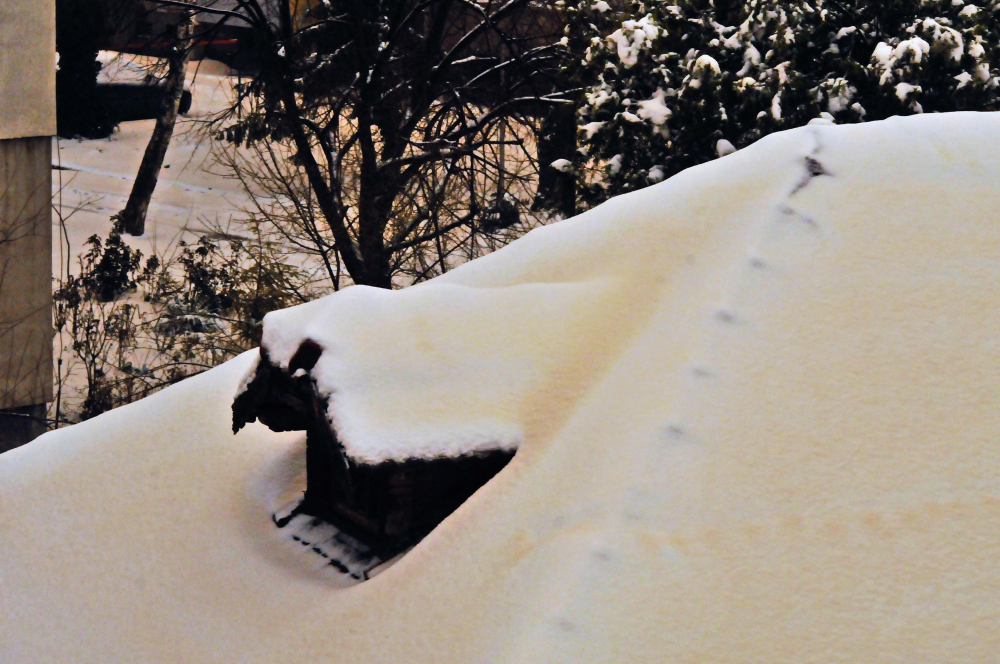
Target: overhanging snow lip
{"points": [[252, 398], [387, 502]]}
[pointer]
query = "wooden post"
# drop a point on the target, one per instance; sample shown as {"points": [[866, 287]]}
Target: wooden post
{"points": [[25, 287], [27, 121]]}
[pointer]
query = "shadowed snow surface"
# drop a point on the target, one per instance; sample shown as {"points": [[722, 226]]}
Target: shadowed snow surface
{"points": [[757, 416]]}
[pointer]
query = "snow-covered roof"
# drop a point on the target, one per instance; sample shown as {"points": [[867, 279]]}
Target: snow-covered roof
{"points": [[269, 7], [756, 408], [457, 365]]}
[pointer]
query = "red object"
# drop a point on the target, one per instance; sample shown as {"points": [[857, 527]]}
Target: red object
{"points": [[213, 42]]}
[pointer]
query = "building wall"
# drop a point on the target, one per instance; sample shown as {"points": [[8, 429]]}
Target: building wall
{"points": [[27, 68], [27, 121], [271, 8]]}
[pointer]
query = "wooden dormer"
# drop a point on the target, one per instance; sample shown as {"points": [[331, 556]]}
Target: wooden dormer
{"points": [[388, 506]]}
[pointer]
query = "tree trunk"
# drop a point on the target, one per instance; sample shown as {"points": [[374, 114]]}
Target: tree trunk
{"points": [[557, 140], [328, 203], [133, 217]]}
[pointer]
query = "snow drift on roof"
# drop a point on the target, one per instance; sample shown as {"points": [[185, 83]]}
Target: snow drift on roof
{"points": [[757, 408]]}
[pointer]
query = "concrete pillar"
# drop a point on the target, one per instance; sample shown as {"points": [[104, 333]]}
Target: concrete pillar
{"points": [[27, 121]]}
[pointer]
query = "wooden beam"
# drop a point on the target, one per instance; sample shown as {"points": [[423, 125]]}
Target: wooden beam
{"points": [[25, 272]]}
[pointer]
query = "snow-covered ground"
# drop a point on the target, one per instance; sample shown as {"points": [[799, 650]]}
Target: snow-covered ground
{"points": [[756, 410], [93, 179], [97, 175]]}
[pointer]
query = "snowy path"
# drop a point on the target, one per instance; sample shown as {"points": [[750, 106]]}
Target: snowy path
{"points": [[98, 174]]}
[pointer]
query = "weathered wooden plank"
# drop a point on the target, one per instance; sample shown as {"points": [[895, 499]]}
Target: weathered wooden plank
{"points": [[25, 272]]}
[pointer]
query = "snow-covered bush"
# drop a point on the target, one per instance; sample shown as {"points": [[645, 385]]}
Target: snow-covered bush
{"points": [[669, 84], [129, 327]]}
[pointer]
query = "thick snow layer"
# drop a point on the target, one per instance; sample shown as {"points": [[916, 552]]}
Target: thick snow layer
{"points": [[465, 363], [757, 408]]}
